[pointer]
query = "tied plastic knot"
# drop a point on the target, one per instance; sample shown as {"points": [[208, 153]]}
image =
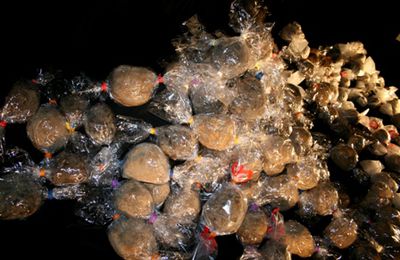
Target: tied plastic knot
{"points": [[52, 101], [343, 74], [101, 167], [393, 134], [257, 66], [152, 131], [114, 184], [116, 216], [48, 155], [69, 127], [207, 234], [277, 229], [153, 218], [3, 124], [254, 207], [104, 86], [160, 79], [240, 174], [42, 172], [373, 124]]}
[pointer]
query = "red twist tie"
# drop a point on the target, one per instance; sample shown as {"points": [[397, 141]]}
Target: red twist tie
{"points": [[239, 174], [373, 124], [104, 86], [343, 74], [34, 81], [160, 79], [209, 239], [393, 134], [3, 124]]}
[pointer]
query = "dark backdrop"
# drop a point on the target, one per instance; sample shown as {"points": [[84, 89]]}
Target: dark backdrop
{"points": [[95, 36]]}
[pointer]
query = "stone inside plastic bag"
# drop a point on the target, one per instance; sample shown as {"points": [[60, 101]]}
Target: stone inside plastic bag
{"points": [[298, 239], [254, 227], [70, 168], [225, 211], [159, 192], [134, 200], [100, 124], [132, 86], [74, 108], [141, 245], [20, 103], [146, 162], [321, 200], [215, 132], [183, 204], [21, 196], [46, 129], [178, 142], [342, 232]]}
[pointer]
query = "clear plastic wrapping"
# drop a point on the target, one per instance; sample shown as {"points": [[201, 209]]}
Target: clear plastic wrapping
{"points": [[141, 245], [342, 232], [146, 162], [74, 108], [172, 106], [178, 142], [273, 249], [277, 153], [279, 191], [183, 204], [344, 156], [131, 130], [298, 239], [254, 227], [225, 211], [21, 196], [69, 169], [215, 132], [159, 192], [321, 200], [134, 200], [46, 129], [132, 86], [20, 103], [100, 124]]}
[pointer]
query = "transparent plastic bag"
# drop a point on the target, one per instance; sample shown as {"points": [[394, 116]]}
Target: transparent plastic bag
{"points": [[134, 200], [46, 129], [277, 153], [131, 130], [254, 226], [298, 239], [251, 253], [225, 211], [215, 132], [69, 168], [74, 108], [273, 250], [183, 204], [146, 162], [321, 200], [172, 106], [21, 196], [178, 142], [279, 191], [132, 86], [207, 247], [142, 245], [342, 232], [100, 124], [159, 192]]}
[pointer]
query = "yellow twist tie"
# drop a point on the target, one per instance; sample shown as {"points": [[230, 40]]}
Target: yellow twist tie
{"points": [[190, 121], [69, 128], [198, 158], [152, 131], [236, 140]]}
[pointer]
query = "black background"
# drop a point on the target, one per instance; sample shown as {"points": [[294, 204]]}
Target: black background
{"points": [[94, 37]]}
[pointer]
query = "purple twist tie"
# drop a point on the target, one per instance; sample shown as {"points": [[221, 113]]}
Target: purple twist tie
{"points": [[153, 218]]}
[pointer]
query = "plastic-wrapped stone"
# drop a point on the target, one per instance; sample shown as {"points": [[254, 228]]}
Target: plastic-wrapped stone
{"points": [[159, 192], [321, 200], [298, 239], [20, 196], [305, 173], [249, 102], [254, 227], [301, 139], [21, 103], [100, 124], [46, 129], [224, 212], [132, 239], [171, 232], [132, 86], [134, 200], [146, 162], [274, 250], [69, 169], [215, 132], [344, 156], [277, 153], [184, 204], [178, 142], [279, 191], [74, 108], [342, 232]]}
